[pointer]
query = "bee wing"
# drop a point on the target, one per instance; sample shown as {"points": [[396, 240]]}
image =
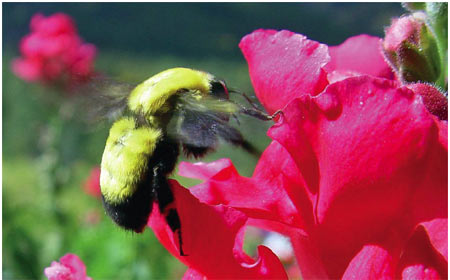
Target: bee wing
{"points": [[104, 99], [200, 122]]}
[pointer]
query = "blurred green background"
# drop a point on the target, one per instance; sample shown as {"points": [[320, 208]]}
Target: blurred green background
{"points": [[48, 151]]}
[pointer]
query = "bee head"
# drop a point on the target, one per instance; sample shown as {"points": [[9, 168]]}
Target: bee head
{"points": [[219, 89]]}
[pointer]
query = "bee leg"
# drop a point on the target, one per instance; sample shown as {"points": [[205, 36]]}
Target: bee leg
{"points": [[236, 119], [165, 197], [278, 112], [249, 101], [173, 220], [256, 113], [246, 98]]}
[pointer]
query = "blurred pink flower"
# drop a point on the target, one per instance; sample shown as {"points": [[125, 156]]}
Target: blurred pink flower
{"points": [[54, 54], [69, 267], [92, 184]]}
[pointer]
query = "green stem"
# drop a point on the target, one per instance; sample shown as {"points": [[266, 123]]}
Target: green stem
{"points": [[437, 20]]}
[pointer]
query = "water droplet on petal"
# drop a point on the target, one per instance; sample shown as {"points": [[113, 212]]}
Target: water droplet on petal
{"points": [[329, 104]]}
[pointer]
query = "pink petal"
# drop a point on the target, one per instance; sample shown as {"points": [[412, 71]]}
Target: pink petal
{"points": [[53, 70], [372, 262], [36, 20], [308, 256], [27, 69], [87, 51], [419, 260], [274, 192], [58, 271], [32, 45], [443, 134], [82, 62], [192, 274], [437, 231], [202, 170], [69, 267], [361, 142], [212, 239], [419, 271], [276, 170], [359, 54], [339, 75], [52, 25], [92, 184], [283, 65], [76, 266]]}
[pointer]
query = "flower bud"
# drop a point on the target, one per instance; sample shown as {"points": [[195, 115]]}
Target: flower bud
{"points": [[411, 49]]}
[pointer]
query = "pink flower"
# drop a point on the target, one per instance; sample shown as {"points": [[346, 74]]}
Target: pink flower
{"points": [[212, 240], [358, 55], [92, 184], [53, 53], [356, 174], [69, 267]]}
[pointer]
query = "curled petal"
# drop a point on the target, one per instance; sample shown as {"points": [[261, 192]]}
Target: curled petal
{"points": [[283, 65], [276, 170], [273, 193], [212, 239]]}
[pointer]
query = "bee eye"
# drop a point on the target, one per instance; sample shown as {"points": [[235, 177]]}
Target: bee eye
{"points": [[219, 89]]}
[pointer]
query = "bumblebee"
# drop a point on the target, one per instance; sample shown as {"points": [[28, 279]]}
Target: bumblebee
{"points": [[177, 109]]}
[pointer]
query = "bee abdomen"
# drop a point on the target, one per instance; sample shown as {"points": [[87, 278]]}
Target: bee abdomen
{"points": [[131, 213], [125, 180]]}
